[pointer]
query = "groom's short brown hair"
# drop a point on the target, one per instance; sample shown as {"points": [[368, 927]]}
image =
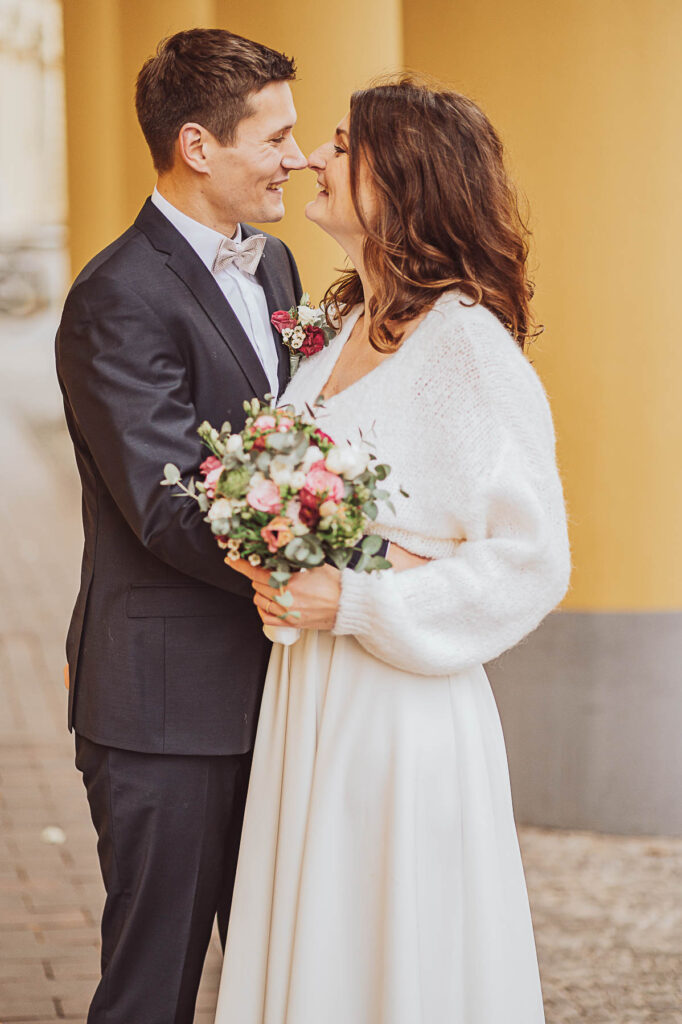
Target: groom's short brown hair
{"points": [[203, 75]]}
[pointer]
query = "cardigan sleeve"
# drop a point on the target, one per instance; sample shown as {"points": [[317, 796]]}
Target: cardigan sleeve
{"points": [[511, 569]]}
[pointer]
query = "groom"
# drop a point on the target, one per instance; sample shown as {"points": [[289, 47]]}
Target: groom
{"points": [[168, 326]]}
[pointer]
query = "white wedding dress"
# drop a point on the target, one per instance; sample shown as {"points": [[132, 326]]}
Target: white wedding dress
{"points": [[379, 877]]}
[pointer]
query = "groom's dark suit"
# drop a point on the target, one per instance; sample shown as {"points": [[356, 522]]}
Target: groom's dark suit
{"points": [[166, 653]]}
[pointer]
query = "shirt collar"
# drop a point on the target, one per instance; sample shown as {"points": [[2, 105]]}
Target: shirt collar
{"points": [[204, 240]]}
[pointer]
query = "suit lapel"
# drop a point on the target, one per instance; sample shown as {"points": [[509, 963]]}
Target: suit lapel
{"points": [[184, 262], [278, 296]]}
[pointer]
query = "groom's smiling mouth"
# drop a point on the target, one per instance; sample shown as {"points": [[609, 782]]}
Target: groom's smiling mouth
{"points": [[276, 186]]}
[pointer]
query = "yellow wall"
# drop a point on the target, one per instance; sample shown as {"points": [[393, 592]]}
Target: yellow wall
{"points": [[587, 96], [106, 43]]}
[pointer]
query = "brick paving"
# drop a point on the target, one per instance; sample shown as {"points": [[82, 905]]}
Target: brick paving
{"points": [[606, 909]]}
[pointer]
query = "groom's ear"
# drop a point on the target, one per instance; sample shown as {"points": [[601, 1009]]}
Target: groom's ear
{"points": [[190, 147]]}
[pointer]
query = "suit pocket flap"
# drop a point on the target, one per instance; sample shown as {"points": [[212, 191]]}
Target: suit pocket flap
{"points": [[186, 602]]}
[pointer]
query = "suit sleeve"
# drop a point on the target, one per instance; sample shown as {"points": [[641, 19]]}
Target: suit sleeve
{"points": [[127, 387]]}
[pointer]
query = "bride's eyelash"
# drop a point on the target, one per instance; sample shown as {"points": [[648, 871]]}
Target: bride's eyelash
{"points": [[338, 149]]}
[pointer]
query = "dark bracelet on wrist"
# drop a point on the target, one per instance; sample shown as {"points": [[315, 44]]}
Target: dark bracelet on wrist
{"points": [[357, 553]]}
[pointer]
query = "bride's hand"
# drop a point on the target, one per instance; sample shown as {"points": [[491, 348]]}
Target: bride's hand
{"points": [[315, 596]]}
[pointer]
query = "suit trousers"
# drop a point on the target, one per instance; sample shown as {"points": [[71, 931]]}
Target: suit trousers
{"points": [[168, 830]]}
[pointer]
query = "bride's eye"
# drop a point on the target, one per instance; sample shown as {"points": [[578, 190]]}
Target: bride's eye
{"points": [[338, 150]]}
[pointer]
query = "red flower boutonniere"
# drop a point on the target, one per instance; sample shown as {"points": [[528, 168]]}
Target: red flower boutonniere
{"points": [[304, 330]]}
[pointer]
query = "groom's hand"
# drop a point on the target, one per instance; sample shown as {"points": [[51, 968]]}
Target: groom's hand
{"points": [[314, 596]]}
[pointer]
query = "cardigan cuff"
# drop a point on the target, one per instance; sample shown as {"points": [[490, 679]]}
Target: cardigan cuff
{"points": [[353, 617]]}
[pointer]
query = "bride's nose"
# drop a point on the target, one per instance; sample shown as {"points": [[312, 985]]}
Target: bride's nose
{"points": [[316, 160]]}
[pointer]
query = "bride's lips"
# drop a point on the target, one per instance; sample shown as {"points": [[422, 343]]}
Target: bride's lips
{"points": [[323, 190]]}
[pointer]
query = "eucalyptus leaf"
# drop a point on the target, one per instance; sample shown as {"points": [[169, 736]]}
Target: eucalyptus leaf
{"points": [[341, 557], [371, 510], [171, 473], [371, 544], [379, 563], [285, 599]]}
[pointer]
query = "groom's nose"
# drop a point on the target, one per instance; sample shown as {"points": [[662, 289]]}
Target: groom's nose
{"points": [[293, 159]]}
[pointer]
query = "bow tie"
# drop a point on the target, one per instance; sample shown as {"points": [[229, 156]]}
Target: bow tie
{"points": [[242, 255]]}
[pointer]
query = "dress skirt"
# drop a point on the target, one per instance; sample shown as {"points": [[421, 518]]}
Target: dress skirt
{"points": [[379, 877]]}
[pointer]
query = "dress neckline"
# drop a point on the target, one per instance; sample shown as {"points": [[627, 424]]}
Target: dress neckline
{"points": [[348, 325]]}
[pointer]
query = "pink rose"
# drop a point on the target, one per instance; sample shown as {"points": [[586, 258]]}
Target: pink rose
{"points": [[265, 497], [320, 481], [211, 468], [282, 319], [265, 423], [210, 464], [313, 341]]}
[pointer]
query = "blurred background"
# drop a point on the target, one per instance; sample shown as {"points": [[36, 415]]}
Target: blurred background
{"points": [[586, 95]]}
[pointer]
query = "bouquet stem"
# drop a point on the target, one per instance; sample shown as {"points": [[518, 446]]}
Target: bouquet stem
{"points": [[284, 635]]}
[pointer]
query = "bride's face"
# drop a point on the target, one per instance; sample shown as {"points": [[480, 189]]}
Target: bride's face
{"points": [[333, 208]]}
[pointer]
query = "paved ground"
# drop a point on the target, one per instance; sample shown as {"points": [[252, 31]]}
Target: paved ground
{"points": [[606, 909]]}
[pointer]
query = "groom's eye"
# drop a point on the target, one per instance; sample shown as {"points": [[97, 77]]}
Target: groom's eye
{"points": [[279, 139]]}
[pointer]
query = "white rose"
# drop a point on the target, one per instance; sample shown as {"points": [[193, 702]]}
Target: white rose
{"points": [[220, 509], [348, 461], [297, 480], [280, 472], [307, 315], [312, 455], [335, 461], [234, 443]]}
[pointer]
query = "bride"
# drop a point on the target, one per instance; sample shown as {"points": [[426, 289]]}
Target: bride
{"points": [[379, 877]]}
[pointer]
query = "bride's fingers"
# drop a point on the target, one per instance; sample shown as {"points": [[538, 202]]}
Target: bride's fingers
{"points": [[264, 588], [242, 566], [269, 610], [255, 574]]}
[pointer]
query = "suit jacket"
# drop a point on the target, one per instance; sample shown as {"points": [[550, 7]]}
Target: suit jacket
{"points": [[165, 650]]}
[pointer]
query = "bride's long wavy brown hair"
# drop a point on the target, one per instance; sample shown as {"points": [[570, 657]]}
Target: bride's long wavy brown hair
{"points": [[446, 214]]}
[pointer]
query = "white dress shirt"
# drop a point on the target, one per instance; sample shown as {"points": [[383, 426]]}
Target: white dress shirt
{"points": [[243, 292]]}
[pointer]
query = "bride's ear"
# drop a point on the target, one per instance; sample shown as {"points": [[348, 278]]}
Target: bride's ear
{"points": [[190, 147]]}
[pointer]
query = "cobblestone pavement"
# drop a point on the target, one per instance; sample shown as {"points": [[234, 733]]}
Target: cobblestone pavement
{"points": [[606, 909]]}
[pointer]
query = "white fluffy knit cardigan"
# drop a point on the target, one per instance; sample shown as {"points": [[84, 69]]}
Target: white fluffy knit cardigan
{"points": [[462, 419]]}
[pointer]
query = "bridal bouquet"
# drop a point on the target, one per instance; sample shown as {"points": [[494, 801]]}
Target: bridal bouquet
{"points": [[281, 494], [304, 330]]}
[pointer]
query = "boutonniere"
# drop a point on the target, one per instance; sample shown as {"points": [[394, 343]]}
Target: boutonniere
{"points": [[304, 330]]}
